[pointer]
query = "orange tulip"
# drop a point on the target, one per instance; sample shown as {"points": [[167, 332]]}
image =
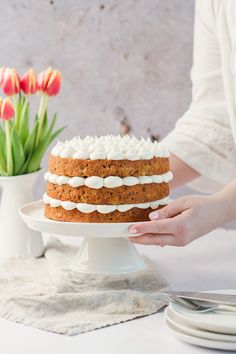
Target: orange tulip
{"points": [[28, 82], [11, 82], [49, 82], [6, 109]]}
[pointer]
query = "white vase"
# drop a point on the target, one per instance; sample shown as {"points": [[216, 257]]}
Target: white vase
{"points": [[16, 239]]}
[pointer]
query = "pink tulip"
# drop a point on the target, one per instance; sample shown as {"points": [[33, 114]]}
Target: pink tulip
{"points": [[11, 82], [6, 109], [49, 82], [28, 82]]}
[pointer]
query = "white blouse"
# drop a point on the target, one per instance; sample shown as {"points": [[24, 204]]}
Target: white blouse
{"points": [[205, 137]]}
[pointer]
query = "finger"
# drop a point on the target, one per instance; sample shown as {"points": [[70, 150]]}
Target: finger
{"points": [[174, 208], [153, 227], [153, 239]]}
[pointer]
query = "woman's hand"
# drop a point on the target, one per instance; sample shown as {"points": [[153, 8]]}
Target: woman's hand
{"points": [[181, 222]]}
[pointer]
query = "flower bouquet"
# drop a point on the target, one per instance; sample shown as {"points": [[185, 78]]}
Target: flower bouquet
{"points": [[22, 146]]}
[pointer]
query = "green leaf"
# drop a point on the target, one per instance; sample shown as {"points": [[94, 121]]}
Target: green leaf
{"points": [[2, 151], [44, 126], [54, 135], [2, 164], [37, 155], [25, 166], [17, 152], [24, 122], [30, 141], [18, 107], [9, 157], [2, 171]]}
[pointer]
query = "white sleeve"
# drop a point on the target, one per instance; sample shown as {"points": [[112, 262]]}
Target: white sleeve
{"points": [[202, 138]]}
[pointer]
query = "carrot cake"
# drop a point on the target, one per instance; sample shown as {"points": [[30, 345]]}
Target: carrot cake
{"points": [[108, 179]]}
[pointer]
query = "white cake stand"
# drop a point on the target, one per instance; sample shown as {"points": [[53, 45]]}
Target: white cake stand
{"points": [[105, 248]]}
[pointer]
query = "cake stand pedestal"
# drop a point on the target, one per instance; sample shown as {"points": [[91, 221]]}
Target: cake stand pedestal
{"points": [[105, 248]]}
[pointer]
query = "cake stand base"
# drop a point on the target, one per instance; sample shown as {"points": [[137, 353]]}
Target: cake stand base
{"points": [[105, 248], [107, 255]]}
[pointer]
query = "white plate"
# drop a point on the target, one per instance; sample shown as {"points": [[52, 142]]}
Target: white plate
{"points": [[201, 342], [33, 216], [214, 322], [210, 330], [180, 325]]}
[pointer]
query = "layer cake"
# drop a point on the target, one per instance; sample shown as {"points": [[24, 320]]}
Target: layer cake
{"points": [[108, 179]]}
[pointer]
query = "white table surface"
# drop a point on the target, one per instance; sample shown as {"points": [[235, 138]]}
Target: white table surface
{"points": [[206, 264]]}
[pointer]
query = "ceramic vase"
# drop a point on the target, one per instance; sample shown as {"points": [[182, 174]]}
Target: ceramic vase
{"points": [[16, 239]]}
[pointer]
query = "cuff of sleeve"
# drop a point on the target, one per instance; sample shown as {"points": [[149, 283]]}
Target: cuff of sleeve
{"points": [[209, 163]]}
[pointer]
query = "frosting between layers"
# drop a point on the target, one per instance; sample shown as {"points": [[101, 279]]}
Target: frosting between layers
{"points": [[103, 209], [109, 147], [108, 182]]}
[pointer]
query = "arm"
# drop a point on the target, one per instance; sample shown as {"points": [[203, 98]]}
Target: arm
{"points": [[202, 138], [226, 199], [183, 173], [188, 218], [201, 144]]}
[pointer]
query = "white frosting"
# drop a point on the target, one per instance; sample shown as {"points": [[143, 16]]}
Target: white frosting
{"points": [[82, 154], [103, 209], [130, 181], [93, 182], [98, 154], [149, 179], [74, 181], [109, 147], [108, 182], [112, 182]]}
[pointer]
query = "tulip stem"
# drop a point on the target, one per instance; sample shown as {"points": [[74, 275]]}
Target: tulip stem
{"points": [[42, 109], [8, 149], [41, 106]]}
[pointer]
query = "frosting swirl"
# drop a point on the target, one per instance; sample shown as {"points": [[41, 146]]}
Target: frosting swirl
{"points": [[109, 147], [97, 182], [103, 209]]}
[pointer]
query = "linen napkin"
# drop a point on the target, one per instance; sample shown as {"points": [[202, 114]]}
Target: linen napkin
{"points": [[45, 293]]}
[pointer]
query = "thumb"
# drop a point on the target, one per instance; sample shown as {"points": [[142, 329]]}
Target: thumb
{"points": [[172, 209]]}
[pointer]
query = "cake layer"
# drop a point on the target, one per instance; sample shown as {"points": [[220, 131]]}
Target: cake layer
{"points": [[104, 168], [75, 215], [140, 193]]}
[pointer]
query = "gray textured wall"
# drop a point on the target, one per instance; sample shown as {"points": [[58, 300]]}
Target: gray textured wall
{"points": [[119, 59]]}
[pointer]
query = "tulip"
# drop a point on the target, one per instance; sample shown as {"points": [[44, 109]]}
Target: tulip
{"points": [[49, 82], [6, 109], [28, 82], [2, 70], [6, 113], [11, 82]]}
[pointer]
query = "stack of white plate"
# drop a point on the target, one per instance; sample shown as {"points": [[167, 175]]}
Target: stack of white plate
{"points": [[211, 329]]}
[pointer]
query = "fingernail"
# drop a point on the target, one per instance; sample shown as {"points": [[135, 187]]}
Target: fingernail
{"points": [[155, 215], [132, 230]]}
